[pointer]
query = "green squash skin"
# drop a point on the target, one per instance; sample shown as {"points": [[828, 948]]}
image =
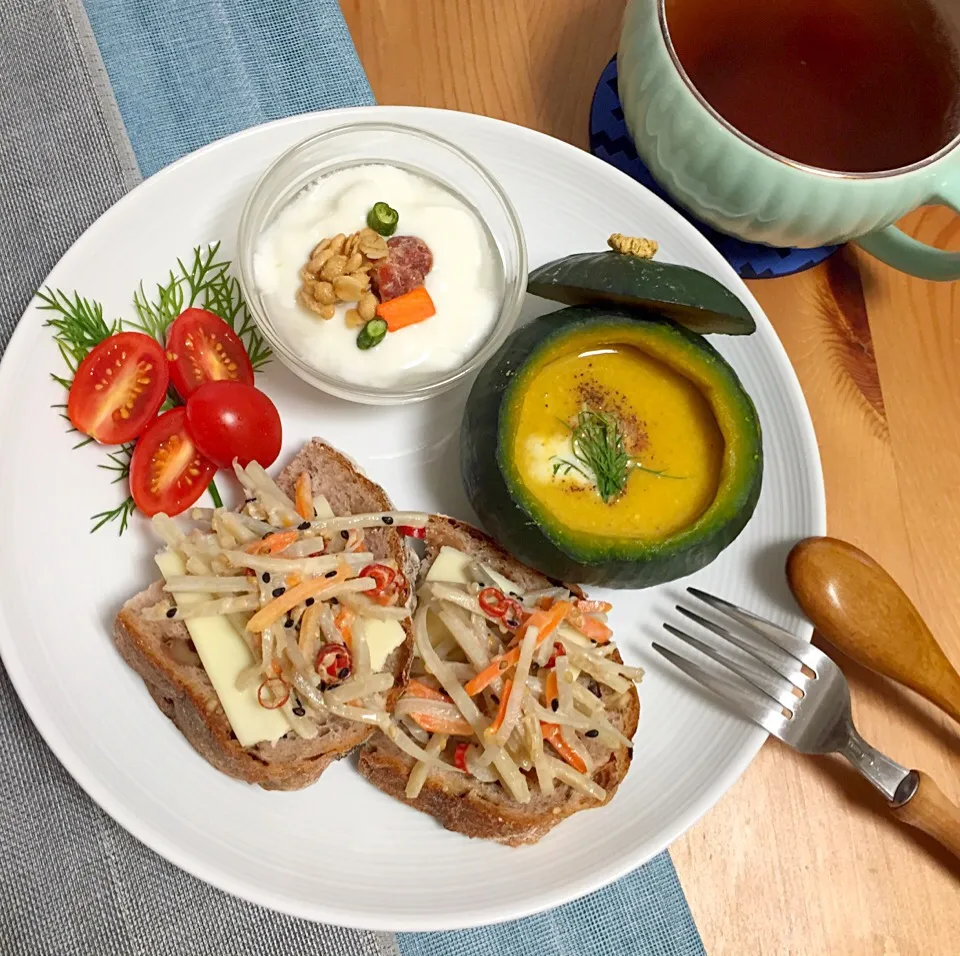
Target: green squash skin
{"points": [[517, 521], [612, 280]]}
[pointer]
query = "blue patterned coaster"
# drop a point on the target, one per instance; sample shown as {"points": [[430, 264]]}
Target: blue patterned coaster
{"points": [[611, 142]]}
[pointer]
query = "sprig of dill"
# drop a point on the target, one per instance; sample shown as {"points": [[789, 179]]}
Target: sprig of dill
{"points": [[600, 454], [204, 283], [79, 327]]}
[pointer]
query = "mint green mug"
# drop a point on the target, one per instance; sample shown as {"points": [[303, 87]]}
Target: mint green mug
{"points": [[745, 190]]}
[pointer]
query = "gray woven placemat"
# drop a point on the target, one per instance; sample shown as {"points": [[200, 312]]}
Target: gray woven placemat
{"points": [[71, 881]]}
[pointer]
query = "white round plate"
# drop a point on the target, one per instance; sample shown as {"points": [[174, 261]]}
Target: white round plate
{"points": [[340, 851]]}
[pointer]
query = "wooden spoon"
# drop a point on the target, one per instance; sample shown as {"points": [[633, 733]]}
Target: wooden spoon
{"points": [[859, 608]]}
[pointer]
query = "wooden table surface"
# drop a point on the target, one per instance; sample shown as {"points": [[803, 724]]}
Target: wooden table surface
{"points": [[799, 857]]}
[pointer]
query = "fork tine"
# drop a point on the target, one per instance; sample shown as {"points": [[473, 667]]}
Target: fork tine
{"points": [[801, 650], [749, 704], [772, 655], [745, 666]]}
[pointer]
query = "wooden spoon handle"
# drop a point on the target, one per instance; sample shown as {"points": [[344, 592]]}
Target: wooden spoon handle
{"points": [[929, 810]]}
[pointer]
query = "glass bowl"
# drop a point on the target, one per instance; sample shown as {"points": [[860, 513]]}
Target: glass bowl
{"points": [[418, 152]]}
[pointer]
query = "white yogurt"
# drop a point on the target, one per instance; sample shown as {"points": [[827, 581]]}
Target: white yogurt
{"points": [[465, 283]]}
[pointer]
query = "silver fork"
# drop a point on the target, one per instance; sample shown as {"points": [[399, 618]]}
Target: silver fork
{"points": [[797, 693]]}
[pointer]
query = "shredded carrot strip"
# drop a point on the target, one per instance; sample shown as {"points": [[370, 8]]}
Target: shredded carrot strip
{"points": [[416, 688], [552, 733], [590, 627], [550, 691], [502, 709], [407, 309], [492, 671], [594, 607], [443, 725], [272, 543], [343, 622], [545, 621], [287, 601], [303, 496]]}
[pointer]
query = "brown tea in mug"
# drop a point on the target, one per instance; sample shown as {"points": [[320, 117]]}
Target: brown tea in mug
{"points": [[847, 85]]}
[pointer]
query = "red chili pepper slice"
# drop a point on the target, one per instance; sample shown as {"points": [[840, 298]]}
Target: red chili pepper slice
{"points": [[333, 660], [279, 690], [382, 575], [460, 756], [558, 651], [493, 602], [514, 615], [409, 532]]}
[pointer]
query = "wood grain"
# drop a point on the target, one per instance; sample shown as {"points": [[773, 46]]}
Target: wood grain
{"points": [[801, 857]]}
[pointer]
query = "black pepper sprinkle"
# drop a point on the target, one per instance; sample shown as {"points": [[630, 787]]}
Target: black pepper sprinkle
{"points": [[554, 705], [330, 574], [310, 602], [592, 733], [343, 673], [344, 534], [276, 592], [172, 612], [303, 526], [299, 712], [386, 519], [266, 577]]}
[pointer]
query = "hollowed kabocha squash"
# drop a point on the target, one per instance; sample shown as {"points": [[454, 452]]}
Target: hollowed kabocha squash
{"points": [[611, 448]]}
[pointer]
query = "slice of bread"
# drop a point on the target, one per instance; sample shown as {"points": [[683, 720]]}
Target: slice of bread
{"points": [[464, 804], [159, 651]]}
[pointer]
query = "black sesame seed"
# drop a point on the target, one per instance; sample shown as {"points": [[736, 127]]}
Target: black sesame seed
{"points": [[386, 519], [343, 673], [330, 574], [249, 501], [303, 526], [592, 733], [288, 622], [344, 534], [266, 577], [514, 594], [310, 602], [554, 704], [299, 711], [172, 612], [276, 592]]}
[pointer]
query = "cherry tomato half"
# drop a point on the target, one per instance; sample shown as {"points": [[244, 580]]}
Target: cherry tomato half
{"points": [[167, 472], [201, 348], [118, 388], [230, 420]]}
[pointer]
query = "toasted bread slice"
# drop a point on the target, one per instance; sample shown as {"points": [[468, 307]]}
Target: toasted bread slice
{"points": [[464, 804], [157, 651]]}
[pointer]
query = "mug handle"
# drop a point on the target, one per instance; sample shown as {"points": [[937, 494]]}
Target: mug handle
{"points": [[897, 249]]}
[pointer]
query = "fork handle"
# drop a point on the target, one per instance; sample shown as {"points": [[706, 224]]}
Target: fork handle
{"points": [[921, 803]]}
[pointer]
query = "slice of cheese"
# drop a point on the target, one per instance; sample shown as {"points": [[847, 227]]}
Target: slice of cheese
{"points": [[383, 638], [453, 567], [224, 654]]}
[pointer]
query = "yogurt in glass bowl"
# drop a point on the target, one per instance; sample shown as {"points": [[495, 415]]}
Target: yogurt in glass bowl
{"points": [[457, 247]]}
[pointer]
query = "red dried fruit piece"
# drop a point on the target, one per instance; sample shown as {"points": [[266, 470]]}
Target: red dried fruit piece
{"points": [[405, 267]]}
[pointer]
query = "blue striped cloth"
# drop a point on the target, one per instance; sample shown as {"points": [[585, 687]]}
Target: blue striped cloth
{"points": [[187, 72]]}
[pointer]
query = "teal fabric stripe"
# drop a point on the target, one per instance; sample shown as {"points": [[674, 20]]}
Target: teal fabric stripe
{"points": [[644, 914], [187, 72]]}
